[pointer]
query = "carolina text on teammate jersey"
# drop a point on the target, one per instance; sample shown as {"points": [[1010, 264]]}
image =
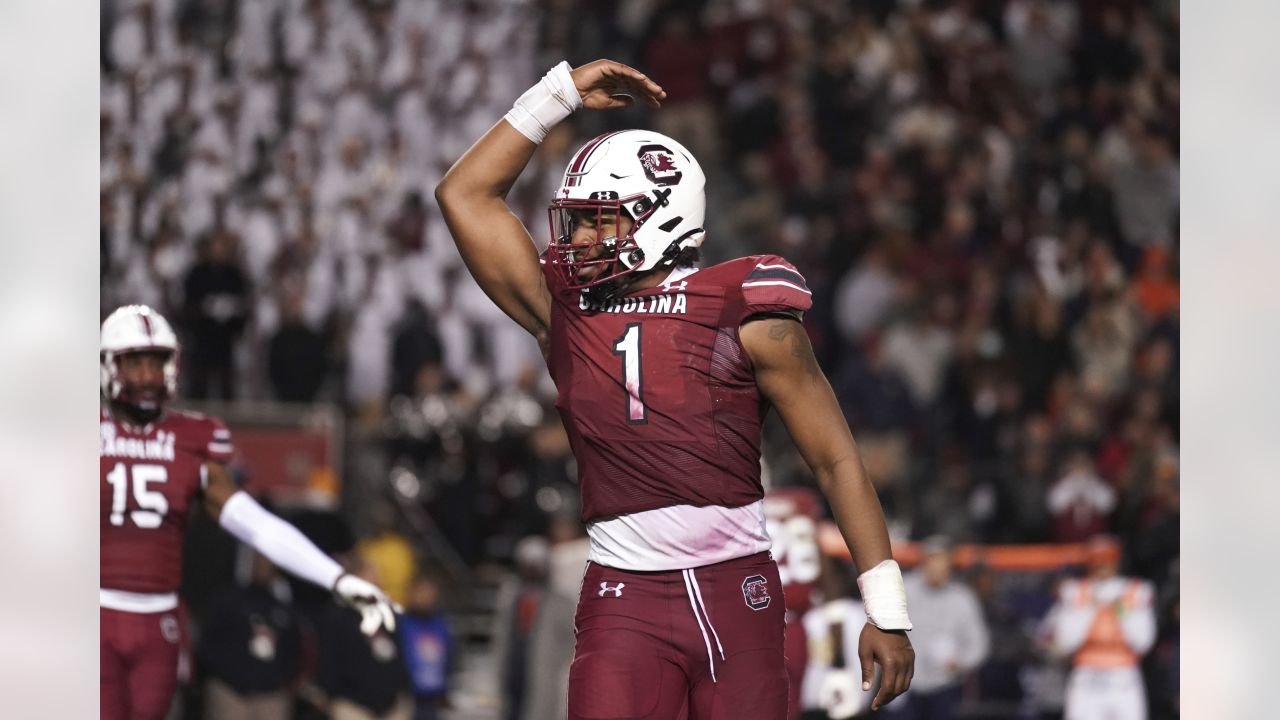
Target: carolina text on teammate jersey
{"points": [[663, 304], [158, 448]]}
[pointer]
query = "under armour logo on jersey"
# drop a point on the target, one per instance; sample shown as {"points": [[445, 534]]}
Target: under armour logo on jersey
{"points": [[616, 590]]}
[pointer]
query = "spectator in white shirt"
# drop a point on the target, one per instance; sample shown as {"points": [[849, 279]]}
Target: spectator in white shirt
{"points": [[920, 348], [950, 636], [865, 295]]}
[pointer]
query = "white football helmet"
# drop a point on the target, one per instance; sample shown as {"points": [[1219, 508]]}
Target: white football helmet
{"points": [[653, 179], [136, 328]]}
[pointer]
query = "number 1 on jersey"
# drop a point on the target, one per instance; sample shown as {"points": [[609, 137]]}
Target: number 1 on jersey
{"points": [[628, 346]]}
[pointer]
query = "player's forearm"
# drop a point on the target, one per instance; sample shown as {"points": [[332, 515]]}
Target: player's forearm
{"points": [[856, 509], [857, 513], [282, 543], [487, 170]]}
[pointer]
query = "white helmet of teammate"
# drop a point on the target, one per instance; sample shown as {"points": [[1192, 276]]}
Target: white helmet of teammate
{"points": [[130, 329], [653, 179]]}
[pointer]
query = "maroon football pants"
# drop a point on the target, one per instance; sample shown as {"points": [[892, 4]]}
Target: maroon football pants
{"points": [[702, 644], [139, 659]]}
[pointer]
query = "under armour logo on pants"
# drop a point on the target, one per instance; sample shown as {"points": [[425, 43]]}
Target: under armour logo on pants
{"points": [[617, 591]]}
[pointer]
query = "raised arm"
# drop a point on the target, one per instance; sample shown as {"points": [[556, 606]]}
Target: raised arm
{"points": [[787, 373], [494, 244]]}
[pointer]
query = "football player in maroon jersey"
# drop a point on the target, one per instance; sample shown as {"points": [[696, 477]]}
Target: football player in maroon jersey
{"points": [[664, 373], [155, 462]]}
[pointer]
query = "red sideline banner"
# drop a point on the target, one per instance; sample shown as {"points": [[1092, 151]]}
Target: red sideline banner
{"points": [[280, 460], [283, 451]]}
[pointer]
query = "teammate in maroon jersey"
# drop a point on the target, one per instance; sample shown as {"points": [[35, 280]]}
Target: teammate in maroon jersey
{"points": [[155, 462], [791, 517], [665, 372]]}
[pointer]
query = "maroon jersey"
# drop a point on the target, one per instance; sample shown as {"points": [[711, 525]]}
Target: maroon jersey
{"points": [[791, 515], [149, 477], [656, 391]]}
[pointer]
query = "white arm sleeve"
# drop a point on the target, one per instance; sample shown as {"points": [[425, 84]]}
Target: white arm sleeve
{"points": [[1071, 621], [281, 542], [1138, 621]]}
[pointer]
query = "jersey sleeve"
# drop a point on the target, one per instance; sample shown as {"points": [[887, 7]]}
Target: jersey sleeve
{"points": [[219, 447], [773, 285]]}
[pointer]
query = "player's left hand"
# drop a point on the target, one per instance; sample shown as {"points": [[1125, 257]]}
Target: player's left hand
{"points": [[892, 651], [605, 85], [376, 609]]}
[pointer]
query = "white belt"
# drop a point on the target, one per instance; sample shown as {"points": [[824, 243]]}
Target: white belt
{"points": [[695, 602], [137, 602]]}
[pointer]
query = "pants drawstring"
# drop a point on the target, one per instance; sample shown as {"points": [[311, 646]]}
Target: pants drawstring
{"points": [[695, 602], [697, 591]]}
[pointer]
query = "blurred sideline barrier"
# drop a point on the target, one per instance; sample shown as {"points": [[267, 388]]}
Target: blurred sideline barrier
{"points": [[1015, 558]]}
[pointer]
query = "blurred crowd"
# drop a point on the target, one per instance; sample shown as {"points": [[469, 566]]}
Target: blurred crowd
{"points": [[983, 196]]}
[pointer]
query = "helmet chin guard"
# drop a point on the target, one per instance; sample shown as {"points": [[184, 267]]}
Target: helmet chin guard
{"points": [[645, 176]]}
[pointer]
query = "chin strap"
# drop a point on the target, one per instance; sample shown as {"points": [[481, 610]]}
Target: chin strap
{"points": [[136, 414]]}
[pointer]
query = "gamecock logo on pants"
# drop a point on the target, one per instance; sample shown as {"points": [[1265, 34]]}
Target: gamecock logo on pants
{"points": [[755, 591]]}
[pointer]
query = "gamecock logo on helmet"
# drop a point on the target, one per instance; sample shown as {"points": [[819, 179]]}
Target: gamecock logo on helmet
{"points": [[659, 165], [755, 592]]}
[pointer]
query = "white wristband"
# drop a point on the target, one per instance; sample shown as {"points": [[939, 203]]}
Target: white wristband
{"points": [[541, 107], [281, 542], [884, 596]]}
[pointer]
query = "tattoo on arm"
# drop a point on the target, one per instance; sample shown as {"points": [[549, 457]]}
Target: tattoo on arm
{"points": [[793, 333]]}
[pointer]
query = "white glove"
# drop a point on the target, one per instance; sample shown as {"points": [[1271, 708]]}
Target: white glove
{"points": [[376, 609]]}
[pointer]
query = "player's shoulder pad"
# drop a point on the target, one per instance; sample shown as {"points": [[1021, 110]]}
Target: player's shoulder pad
{"points": [[554, 278], [220, 447], [210, 432], [770, 283]]}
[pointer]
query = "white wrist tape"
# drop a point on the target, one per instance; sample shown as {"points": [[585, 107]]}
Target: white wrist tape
{"points": [[541, 107], [281, 542], [884, 596]]}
